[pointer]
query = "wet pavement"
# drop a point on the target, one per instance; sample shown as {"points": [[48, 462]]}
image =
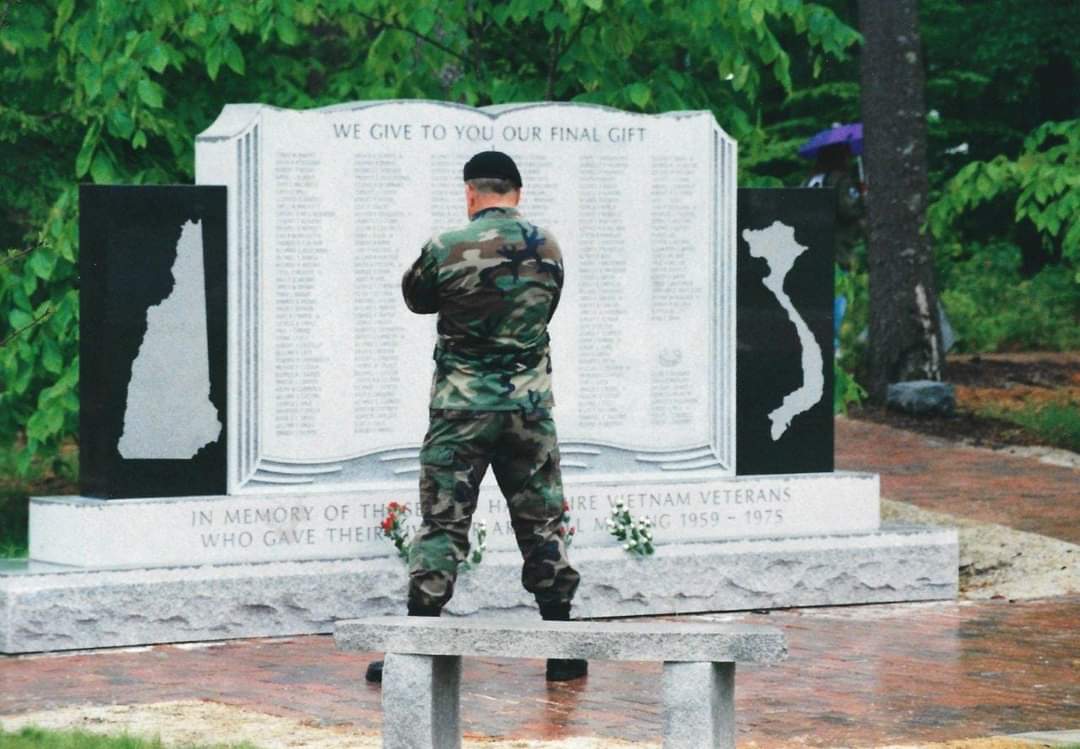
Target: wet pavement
{"points": [[977, 483], [856, 676]]}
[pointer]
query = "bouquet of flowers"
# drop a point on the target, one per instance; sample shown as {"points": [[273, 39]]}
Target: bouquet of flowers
{"points": [[636, 535], [479, 546], [394, 528], [566, 530]]}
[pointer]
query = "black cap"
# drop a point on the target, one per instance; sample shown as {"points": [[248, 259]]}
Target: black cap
{"points": [[493, 165]]}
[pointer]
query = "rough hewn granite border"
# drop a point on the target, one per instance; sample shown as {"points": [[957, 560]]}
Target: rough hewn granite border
{"points": [[85, 608]]}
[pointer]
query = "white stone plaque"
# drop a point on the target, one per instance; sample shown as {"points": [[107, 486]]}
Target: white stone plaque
{"points": [[329, 525], [329, 373]]}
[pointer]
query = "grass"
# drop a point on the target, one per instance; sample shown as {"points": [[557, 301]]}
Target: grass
{"points": [[39, 738], [1056, 424]]}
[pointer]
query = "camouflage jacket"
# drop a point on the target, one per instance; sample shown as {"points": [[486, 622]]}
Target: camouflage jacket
{"points": [[495, 284]]}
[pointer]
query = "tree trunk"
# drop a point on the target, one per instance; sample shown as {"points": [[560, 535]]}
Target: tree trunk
{"points": [[905, 338]]}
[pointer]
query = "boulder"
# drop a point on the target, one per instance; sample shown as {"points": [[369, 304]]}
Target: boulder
{"points": [[922, 398]]}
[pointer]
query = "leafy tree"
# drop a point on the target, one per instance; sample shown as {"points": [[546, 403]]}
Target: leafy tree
{"points": [[114, 91], [824, 90], [990, 89], [1042, 185], [1004, 281], [994, 302], [988, 92]]}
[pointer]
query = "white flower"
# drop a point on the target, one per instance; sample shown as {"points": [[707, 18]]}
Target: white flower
{"points": [[633, 542], [626, 547]]}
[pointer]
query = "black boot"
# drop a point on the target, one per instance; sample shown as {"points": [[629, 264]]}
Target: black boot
{"points": [[375, 668], [562, 669]]}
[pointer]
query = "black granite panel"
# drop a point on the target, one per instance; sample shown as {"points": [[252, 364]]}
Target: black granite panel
{"points": [[769, 357], [128, 240]]}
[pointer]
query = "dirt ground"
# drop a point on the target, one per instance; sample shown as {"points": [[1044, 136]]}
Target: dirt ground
{"points": [[184, 722], [1000, 562], [1002, 381]]}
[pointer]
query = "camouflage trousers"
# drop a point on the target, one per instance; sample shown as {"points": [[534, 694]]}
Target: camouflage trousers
{"points": [[524, 455]]}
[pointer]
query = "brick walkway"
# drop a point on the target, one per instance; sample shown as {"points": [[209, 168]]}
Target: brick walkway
{"points": [[976, 483], [857, 676]]}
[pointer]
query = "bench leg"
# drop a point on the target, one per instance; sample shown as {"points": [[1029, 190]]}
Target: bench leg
{"points": [[699, 705], [420, 701]]}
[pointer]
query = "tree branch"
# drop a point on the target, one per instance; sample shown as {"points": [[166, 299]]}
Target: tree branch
{"points": [[423, 37], [12, 257], [586, 18], [36, 321], [553, 64], [559, 50]]}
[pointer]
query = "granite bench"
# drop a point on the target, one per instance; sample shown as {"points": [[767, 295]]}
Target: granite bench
{"points": [[422, 676]]}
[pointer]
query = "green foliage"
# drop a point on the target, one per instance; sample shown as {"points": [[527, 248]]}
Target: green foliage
{"points": [[992, 302], [853, 288], [53, 473], [14, 523], [33, 737], [993, 308], [846, 391], [1042, 185], [824, 90], [14, 519], [114, 91], [993, 87], [1056, 424]]}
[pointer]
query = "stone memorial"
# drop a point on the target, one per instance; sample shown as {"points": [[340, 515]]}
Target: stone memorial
{"points": [[331, 205], [709, 416]]}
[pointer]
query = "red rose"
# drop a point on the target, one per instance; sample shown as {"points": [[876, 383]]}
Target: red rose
{"points": [[388, 524]]}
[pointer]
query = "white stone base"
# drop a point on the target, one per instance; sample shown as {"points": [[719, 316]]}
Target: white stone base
{"points": [[288, 527], [45, 607]]}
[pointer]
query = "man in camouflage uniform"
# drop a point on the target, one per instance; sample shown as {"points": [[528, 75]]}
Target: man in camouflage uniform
{"points": [[495, 284]]}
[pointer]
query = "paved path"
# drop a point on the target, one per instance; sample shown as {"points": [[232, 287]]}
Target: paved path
{"points": [[857, 676], [972, 482]]}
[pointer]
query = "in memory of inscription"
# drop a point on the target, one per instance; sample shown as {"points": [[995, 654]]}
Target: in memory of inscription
{"points": [[335, 524], [330, 373], [168, 414]]}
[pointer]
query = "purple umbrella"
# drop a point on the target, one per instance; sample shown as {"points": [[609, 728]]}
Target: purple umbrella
{"points": [[851, 135]]}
